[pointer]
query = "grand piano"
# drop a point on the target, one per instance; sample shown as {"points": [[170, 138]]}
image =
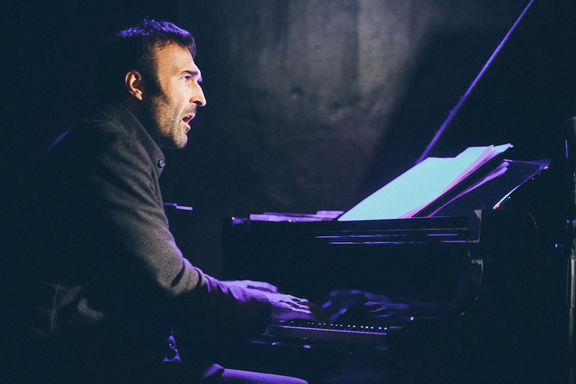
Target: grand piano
{"points": [[470, 294]]}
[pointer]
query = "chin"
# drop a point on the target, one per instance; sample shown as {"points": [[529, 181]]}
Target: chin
{"points": [[180, 143]]}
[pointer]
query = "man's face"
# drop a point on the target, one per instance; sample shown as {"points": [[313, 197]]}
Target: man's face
{"points": [[180, 94]]}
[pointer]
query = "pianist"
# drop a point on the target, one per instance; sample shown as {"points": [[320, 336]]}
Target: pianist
{"points": [[106, 295]]}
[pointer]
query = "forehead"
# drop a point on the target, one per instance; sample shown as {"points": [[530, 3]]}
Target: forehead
{"points": [[173, 58]]}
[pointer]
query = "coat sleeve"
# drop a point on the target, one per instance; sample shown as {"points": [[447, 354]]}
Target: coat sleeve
{"points": [[143, 254]]}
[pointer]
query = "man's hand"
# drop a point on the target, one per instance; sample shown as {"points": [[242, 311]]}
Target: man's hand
{"points": [[282, 306], [288, 307], [249, 284]]}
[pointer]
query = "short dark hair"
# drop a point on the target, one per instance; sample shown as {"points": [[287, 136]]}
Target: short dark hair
{"points": [[133, 49]]}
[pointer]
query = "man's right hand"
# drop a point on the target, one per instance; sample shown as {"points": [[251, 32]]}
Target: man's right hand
{"points": [[282, 306], [288, 307]]}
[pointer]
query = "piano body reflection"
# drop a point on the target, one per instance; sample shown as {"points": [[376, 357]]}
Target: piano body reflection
{"points": [[453, 297]]}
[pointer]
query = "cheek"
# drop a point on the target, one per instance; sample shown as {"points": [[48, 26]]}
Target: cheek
{"points": [[184, 97], [177, 100]]}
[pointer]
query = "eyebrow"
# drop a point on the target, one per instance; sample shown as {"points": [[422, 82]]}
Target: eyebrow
{"points": [[194, 73]]}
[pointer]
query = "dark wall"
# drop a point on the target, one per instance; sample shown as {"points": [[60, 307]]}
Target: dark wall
{"points": [[311, 104], [49, 49], [315, 104]]}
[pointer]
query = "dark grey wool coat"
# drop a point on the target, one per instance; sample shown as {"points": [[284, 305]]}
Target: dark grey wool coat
{"points": [[103, 277]]}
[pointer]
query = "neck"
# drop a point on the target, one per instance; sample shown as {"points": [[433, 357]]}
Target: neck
{"points": [[134, 106]]}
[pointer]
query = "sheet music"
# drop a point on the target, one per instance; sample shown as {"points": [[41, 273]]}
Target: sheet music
{"points": [[421, 185]]}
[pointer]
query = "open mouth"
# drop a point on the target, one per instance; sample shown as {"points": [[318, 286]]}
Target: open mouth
{"points": [[188, 118]]}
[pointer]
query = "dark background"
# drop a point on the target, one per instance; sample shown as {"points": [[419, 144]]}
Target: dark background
{"points": [[312, 105]]}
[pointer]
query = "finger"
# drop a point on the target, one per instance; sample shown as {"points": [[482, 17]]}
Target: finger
{"points": [[306, 315], [281, 312], [262, 286], [294, 298], [295, 305], [300, 300]]}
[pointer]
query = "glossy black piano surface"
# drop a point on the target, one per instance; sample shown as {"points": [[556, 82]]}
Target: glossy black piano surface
{"points": [[472, 295], [475, 290]]}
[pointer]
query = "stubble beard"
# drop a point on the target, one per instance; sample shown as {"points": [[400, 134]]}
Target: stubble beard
{"points": [[166, 123]]}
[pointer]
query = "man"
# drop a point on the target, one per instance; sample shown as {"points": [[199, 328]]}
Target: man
{"points": [[105, 291]]}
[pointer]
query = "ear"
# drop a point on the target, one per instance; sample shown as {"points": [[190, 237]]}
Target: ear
{"points": [[134, 84]]}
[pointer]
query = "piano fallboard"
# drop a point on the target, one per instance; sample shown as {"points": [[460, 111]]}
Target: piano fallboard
{"points": [[421, 259], [398, 231]]}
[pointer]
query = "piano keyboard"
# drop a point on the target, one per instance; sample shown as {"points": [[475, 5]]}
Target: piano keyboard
{"points": [[342, 333]]}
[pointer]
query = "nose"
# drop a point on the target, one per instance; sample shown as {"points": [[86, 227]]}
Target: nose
{"points": [[198, 97]]}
